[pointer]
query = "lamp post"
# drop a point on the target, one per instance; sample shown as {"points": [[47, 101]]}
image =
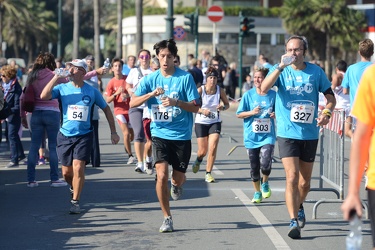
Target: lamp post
{"points": [[169, 19]]}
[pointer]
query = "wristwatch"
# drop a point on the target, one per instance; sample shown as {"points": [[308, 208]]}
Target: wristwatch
{"points": [[279, 69]]}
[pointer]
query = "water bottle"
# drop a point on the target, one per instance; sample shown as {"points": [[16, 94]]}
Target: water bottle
{"points": [[62, 72], [107, 63], [354, 238], [287, 60]]}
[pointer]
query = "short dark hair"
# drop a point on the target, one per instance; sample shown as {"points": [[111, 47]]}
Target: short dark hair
{"points": [[169, 44], [117, 59], [342, 65]]}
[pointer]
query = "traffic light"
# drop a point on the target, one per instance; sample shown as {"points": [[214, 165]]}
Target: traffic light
{"points": [[246, 25], [196, 22], [190, 23]]}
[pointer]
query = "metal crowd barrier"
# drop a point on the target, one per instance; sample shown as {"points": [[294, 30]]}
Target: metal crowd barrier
{"points": [[332, 142]]}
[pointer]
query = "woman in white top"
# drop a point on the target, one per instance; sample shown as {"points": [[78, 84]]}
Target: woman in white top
{"points": [[136, 114], [208, 121]]}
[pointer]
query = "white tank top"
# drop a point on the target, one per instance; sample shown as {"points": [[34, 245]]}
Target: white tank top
{"points": [[209, 102]]}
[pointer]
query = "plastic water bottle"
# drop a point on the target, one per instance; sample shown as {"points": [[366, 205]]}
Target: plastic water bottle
{"points": [[287, 60], [61, 72], [354, 238], [107, 63]]}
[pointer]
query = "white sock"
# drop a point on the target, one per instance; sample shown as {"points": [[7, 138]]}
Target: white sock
{"points": [[149, 159]]}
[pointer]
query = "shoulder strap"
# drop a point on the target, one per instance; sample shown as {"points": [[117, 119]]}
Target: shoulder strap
{"points": [[140, 75]]}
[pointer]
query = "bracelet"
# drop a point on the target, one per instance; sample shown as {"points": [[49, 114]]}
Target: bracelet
{"points": [[114, 95], [114, 133], [279, 69], [176, 103], [327, 112]]}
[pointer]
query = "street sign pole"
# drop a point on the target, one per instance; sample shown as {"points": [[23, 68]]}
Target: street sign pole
{"points": [[240, 41], [215, 14], [214, 38]]}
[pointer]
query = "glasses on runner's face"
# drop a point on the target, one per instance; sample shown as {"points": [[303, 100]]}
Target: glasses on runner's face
{"points": [[144, 57], [298, 50]]}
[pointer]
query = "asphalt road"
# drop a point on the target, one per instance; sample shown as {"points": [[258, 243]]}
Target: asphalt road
{"points": [[121, 211]]}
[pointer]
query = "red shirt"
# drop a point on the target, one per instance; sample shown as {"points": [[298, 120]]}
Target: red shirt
{"points": [[121, 106]]}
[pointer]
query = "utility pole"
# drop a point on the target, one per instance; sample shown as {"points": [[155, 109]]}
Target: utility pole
{"points": [[170, 20]]}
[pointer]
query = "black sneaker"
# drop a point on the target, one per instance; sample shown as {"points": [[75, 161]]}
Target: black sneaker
{"points": [[74, 209], [301, 217], [294, 231]]}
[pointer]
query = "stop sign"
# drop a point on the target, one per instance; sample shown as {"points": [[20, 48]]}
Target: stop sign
{"points": [[215, 13]]}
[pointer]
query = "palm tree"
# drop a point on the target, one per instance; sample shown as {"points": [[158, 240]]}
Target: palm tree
{"points": [[323, 22], [75, 52], [139, 16], [11, 8], [96, 34], [120, 8]]}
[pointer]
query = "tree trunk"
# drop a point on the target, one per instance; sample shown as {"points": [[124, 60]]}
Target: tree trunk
{"points": [[328, 66], [97, 34], [75, 52], [139, 16], [120, 7]]}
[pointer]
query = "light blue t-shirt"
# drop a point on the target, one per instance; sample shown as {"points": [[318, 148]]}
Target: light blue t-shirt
{"points": [[259, 130], [172, 123], [77, 107], [297, 101], [352, 77]]}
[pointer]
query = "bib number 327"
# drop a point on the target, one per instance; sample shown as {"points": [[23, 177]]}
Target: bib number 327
{"points": [[302, 113]]}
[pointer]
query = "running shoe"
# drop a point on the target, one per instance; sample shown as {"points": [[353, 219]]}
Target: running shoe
{"points": [[294, 229], [301, 217], [139, 168], [74, 209], [266, 191], [58, 183], [209, 178], [12, 165], [131, 160], [196, 166], [42, 161], [176, 192], [257, 197], [167, 225], [32, 184], [149, 168]]}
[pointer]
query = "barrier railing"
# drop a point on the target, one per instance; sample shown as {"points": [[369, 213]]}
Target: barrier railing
{"points": [[332, 145]]}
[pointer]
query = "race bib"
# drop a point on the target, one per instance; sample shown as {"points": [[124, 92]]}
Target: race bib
{"points": [[161, 113], [302, 113], [261, 125], [78, 113]]}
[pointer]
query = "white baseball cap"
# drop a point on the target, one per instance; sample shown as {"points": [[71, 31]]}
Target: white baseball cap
{"points": [[79, 63]]}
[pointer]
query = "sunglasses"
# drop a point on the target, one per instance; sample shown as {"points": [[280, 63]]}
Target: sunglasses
{"points": [[175, 61], [144, 57]]}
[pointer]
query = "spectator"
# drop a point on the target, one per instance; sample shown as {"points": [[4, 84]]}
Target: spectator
{"points": [[195, 72], [248, 84], [12, 93], [129, 65], [90, 60], [215, 62]]}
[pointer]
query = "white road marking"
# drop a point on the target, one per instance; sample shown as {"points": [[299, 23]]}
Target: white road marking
{"points": [[276, 238]]}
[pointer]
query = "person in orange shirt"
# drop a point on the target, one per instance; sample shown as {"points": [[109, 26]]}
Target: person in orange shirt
{"points": [[116, 93], [363, 149]]}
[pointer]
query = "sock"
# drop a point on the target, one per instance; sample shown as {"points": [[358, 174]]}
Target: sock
{"points": [[208, 172], [130, 155], [149, 159], [301, 206], [199, 160]]}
